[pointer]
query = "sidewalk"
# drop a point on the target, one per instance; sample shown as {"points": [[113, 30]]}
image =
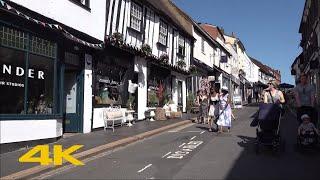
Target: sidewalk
{"points": [[9, 161]]}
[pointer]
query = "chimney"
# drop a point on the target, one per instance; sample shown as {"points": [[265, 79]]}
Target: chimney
{"points": [[233, 34], [221, 29]]}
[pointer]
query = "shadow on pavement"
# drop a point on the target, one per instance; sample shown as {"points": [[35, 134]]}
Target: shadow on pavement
{"points": [[290, 164]]}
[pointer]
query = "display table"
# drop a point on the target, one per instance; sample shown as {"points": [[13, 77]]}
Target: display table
{"points": [[130, 117]]}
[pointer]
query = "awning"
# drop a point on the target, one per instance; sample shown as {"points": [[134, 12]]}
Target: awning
{"points": [[53, 26]]}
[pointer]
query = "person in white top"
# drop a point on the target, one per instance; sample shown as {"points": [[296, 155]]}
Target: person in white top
{"points": [[224, 110]]}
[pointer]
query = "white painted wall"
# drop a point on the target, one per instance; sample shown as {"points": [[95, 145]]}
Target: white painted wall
{"points": [[68, 13], [207, 56], [87, 98], [149, 34], [27, 130], [140, 66]]}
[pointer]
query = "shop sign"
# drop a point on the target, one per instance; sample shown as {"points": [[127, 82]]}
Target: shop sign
{"points": [[111, 82], [19, 71], [237, 101]]}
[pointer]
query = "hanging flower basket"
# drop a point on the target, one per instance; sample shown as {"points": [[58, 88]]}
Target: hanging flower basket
{"points": [[164, 58], [146, 49], [116, 38], [181, 64]]}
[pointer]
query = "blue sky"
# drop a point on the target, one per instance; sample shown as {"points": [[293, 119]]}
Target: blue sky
{"points": [[267, 28]]}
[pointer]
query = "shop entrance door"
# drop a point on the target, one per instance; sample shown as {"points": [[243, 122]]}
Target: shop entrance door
{"points": [[73, 108]]}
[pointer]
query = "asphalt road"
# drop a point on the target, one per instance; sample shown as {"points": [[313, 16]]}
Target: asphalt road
{"points": [[195, 153]]}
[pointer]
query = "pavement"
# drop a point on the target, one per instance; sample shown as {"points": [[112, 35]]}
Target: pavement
{"points": [[189, 151]]}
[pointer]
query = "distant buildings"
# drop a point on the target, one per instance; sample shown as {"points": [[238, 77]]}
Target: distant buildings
{"points": [[309, 59]]}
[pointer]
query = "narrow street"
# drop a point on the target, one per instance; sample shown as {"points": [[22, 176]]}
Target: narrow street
{"points": [[195, 153]]}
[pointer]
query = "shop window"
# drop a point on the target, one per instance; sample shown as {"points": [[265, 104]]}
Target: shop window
{"points": [[136, 16], [159, 86], [111, 82], [13, 38], [40, 85], [42, 47], [12, 81], [27, 73]]}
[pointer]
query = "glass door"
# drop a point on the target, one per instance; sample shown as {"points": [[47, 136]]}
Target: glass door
{"points": [[73, 110]]}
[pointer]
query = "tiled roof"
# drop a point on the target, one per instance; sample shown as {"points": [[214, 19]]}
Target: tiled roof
{"points": [[174, 13], [264, 68]]}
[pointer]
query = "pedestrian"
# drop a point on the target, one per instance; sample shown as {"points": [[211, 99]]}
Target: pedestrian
{"points": [[305, 99], [256, 94], [213, 108], [203, 102], [198, 101], [224, 110], [277, 95]]}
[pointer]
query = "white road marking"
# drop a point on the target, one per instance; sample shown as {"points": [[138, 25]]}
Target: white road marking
{"points": [[144, 168], [186, 149], [202, 132], [166, 154], [193, 137], [193, 131], [182, 144]]}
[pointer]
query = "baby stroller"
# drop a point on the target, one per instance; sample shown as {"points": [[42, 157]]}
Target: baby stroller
{"points": [[309, 138], [268, 129]]}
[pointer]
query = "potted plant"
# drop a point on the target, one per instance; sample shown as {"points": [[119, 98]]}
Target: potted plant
{"points": [[153, 99], [190, 102], [181, 63], [130, 102], [164, 58], [146, 49]]}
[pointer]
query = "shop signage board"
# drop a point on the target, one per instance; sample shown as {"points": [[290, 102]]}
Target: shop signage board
{"points": [[237, 101]]}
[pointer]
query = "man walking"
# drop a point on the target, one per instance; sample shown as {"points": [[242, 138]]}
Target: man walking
{"points": [[305, 99]]}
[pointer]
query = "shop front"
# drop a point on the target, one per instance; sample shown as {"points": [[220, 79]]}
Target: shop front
{"points": [[159, 85], [30, 84], [111, 75], [45, 80]]}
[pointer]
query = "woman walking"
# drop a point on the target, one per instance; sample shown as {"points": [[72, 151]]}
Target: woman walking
{"points": [[203, 101], [224, 110], [213, 108]]}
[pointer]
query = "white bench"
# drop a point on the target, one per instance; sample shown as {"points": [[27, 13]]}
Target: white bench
{"points": [[110, 115]]}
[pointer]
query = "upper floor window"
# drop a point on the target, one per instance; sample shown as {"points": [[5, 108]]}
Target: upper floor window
{"points": [[163, 33], [136, 16], [181, 45], [83, 3], [202, 45]]}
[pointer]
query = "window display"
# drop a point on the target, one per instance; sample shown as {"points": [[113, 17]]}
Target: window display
{"points": [[40, 85], [159, 86], [112, 77], [27, 73], [12, 81]]}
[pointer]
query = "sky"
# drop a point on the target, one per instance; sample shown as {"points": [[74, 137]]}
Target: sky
{"points": [[269, 29]]}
